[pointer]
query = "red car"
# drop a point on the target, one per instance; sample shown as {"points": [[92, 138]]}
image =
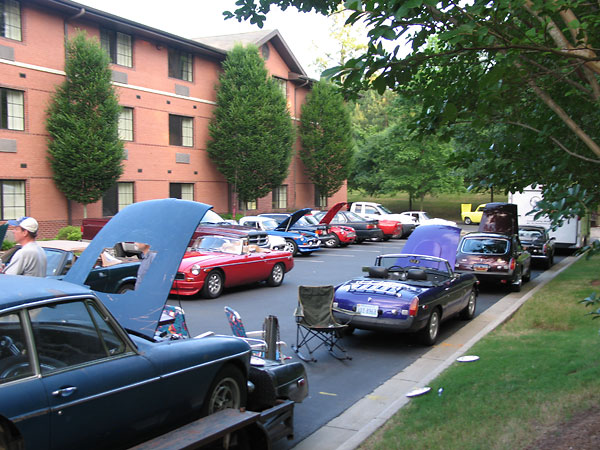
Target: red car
{"points": [[392, 229], [216, 262]]}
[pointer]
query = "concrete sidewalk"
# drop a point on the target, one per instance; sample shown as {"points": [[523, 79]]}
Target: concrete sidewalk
{"points": [[357, 423]]}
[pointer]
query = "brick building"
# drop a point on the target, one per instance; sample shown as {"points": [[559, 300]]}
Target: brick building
{"points": [[166, 85]]}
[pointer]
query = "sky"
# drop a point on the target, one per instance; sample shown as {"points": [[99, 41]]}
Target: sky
{"points": [[306, 34]]}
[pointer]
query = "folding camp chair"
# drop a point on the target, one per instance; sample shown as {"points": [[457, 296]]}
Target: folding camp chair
{"points": [[314, 320], [258, 340]]}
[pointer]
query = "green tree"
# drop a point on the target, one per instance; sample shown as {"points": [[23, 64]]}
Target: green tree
{"points": [[85, 151], [326, 134], [251, 131]]}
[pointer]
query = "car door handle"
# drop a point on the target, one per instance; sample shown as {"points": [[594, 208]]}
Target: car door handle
{"points": [[64, 392]]}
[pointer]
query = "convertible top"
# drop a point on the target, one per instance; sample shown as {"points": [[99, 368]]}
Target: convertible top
{"points": [[440, 241]]}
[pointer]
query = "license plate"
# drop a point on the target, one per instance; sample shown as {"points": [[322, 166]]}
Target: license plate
{"points": [[481, 267], [367, 310]]}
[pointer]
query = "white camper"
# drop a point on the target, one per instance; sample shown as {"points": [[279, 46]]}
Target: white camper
{"points": [[571, 234]]}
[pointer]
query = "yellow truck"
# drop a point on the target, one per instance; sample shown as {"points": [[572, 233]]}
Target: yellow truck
{"points": [[468, 216]]}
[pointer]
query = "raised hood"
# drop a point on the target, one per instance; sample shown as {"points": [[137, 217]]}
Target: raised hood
{"points": [[167, 225], [440, 241], [289, 222], [327, 218]]}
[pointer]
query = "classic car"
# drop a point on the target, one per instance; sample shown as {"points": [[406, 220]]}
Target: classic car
{"points": [[340, 236], [296, 242], [468, 216], [81, 369], [117, 277], [216, 262], [535, 240], [422, 218], [494, 257], [297, 222], [365, 229], [376, 211], [410, 292]]}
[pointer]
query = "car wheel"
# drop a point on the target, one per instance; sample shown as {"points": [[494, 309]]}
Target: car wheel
{"points": [[277, 274], [527, 276], [227, 391], [332, 242], [517, 282], [386, 238], [290, 246], [549, 261], [429, 334], [125, 288], [469, 311], [468, 221], [213, 285]]}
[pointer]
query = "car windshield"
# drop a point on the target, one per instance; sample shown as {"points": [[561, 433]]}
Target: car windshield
{"points": [[425, 216], [530, 235], [269, 224], [353, 217], [413, 262], [219, 244], [212, 217], [311, 219], [384, 209], [303, 222], [485, 246]]}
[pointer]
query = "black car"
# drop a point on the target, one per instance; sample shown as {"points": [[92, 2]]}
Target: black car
{"points": [[298, 221], [536, 240], [365, 228]]}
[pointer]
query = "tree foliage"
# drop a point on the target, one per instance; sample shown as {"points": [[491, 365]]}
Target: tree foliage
{"points": [[85, 151], [251, 131], [326, 134], [523, 75]]}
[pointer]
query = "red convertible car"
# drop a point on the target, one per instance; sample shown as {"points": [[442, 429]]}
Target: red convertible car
{"points": [[216, 262]]}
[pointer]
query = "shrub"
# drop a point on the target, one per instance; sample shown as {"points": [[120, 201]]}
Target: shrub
{"points": [[6, 245], [69, 233]]}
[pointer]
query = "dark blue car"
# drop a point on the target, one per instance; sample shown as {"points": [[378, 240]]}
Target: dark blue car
{"points": [[81, 369], [410, 292]]}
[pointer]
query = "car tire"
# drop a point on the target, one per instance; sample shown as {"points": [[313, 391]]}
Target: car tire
{"points": [[291, 246], [468, 221], [429, 334], [125, 288], [549, 261], [386, 238], [517, 281], [332, 242], [348, 331], [228, 390], [527, 276], [6, 440], [213, 284], [468, 311], [277, 275]]}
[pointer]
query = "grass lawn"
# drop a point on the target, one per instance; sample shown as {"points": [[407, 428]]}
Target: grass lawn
{"points": [[446, 206], [535, 371]]}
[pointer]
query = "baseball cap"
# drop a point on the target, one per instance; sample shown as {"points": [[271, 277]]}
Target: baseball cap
{"points": [[27, 223]]}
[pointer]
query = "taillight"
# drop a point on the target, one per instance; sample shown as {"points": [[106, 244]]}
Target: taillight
{"points": [[370, 226], [414, 307], [544, 248], [512, 264]]}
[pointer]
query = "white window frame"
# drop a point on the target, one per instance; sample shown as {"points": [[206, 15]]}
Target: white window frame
{"points": [[13, 108], [12, 200], [125, 191], [11, 10], [126, 124]]}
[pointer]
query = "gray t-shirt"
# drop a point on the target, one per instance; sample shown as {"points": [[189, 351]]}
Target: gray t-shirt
{"points": [[29, 260]]}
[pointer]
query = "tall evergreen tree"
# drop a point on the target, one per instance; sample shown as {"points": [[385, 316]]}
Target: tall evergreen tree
{"points": [[251, 132], [85, 151], [326, 134]]}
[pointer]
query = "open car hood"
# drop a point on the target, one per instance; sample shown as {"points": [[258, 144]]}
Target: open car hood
{"points": [[289, 222], [167, 225], [440, 241], [327, 218]]}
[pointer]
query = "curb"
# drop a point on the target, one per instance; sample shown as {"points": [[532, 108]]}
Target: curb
{"points": [[348, 430]]}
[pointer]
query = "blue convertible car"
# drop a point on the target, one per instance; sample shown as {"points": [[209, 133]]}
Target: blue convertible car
{"points": [[410, 292], [82, 369]]}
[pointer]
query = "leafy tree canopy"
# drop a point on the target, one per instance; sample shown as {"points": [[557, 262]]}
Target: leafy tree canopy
{"points": [[85, 151], [251, 131], [326, 134]]}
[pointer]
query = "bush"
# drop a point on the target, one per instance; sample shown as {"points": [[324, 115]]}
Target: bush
{"points": [[6, 245], [69, 233]]}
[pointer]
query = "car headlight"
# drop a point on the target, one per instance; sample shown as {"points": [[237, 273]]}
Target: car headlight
{"points": [[196, 269]]}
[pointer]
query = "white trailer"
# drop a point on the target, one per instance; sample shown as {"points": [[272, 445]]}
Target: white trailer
{"points": [[571, 234]]}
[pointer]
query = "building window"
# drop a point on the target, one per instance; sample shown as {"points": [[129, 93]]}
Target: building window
{"points": [[183, 191], [126, 124], [250, 204], [282, 84], [116, 198], [12, 113], [181, 131], [10, 19], [280, 197], [12, 199], [118, 46], [320, 200], [180, 65]]}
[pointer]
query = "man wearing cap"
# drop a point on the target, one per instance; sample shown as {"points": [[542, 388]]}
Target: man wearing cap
{"points": [[30, 259]]}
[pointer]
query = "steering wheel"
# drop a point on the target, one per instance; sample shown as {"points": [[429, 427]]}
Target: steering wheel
{"points": [[395, 268], [7, 346]]}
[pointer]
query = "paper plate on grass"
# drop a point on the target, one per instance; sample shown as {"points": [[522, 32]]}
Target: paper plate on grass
{"points": [[420, 391], [467, 358]]}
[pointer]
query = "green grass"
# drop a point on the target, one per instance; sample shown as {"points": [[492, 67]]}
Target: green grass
{"points": [[536, 370], [446, 206]]}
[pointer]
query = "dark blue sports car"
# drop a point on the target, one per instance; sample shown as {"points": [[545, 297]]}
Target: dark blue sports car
{"points": [[410, 292]]}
